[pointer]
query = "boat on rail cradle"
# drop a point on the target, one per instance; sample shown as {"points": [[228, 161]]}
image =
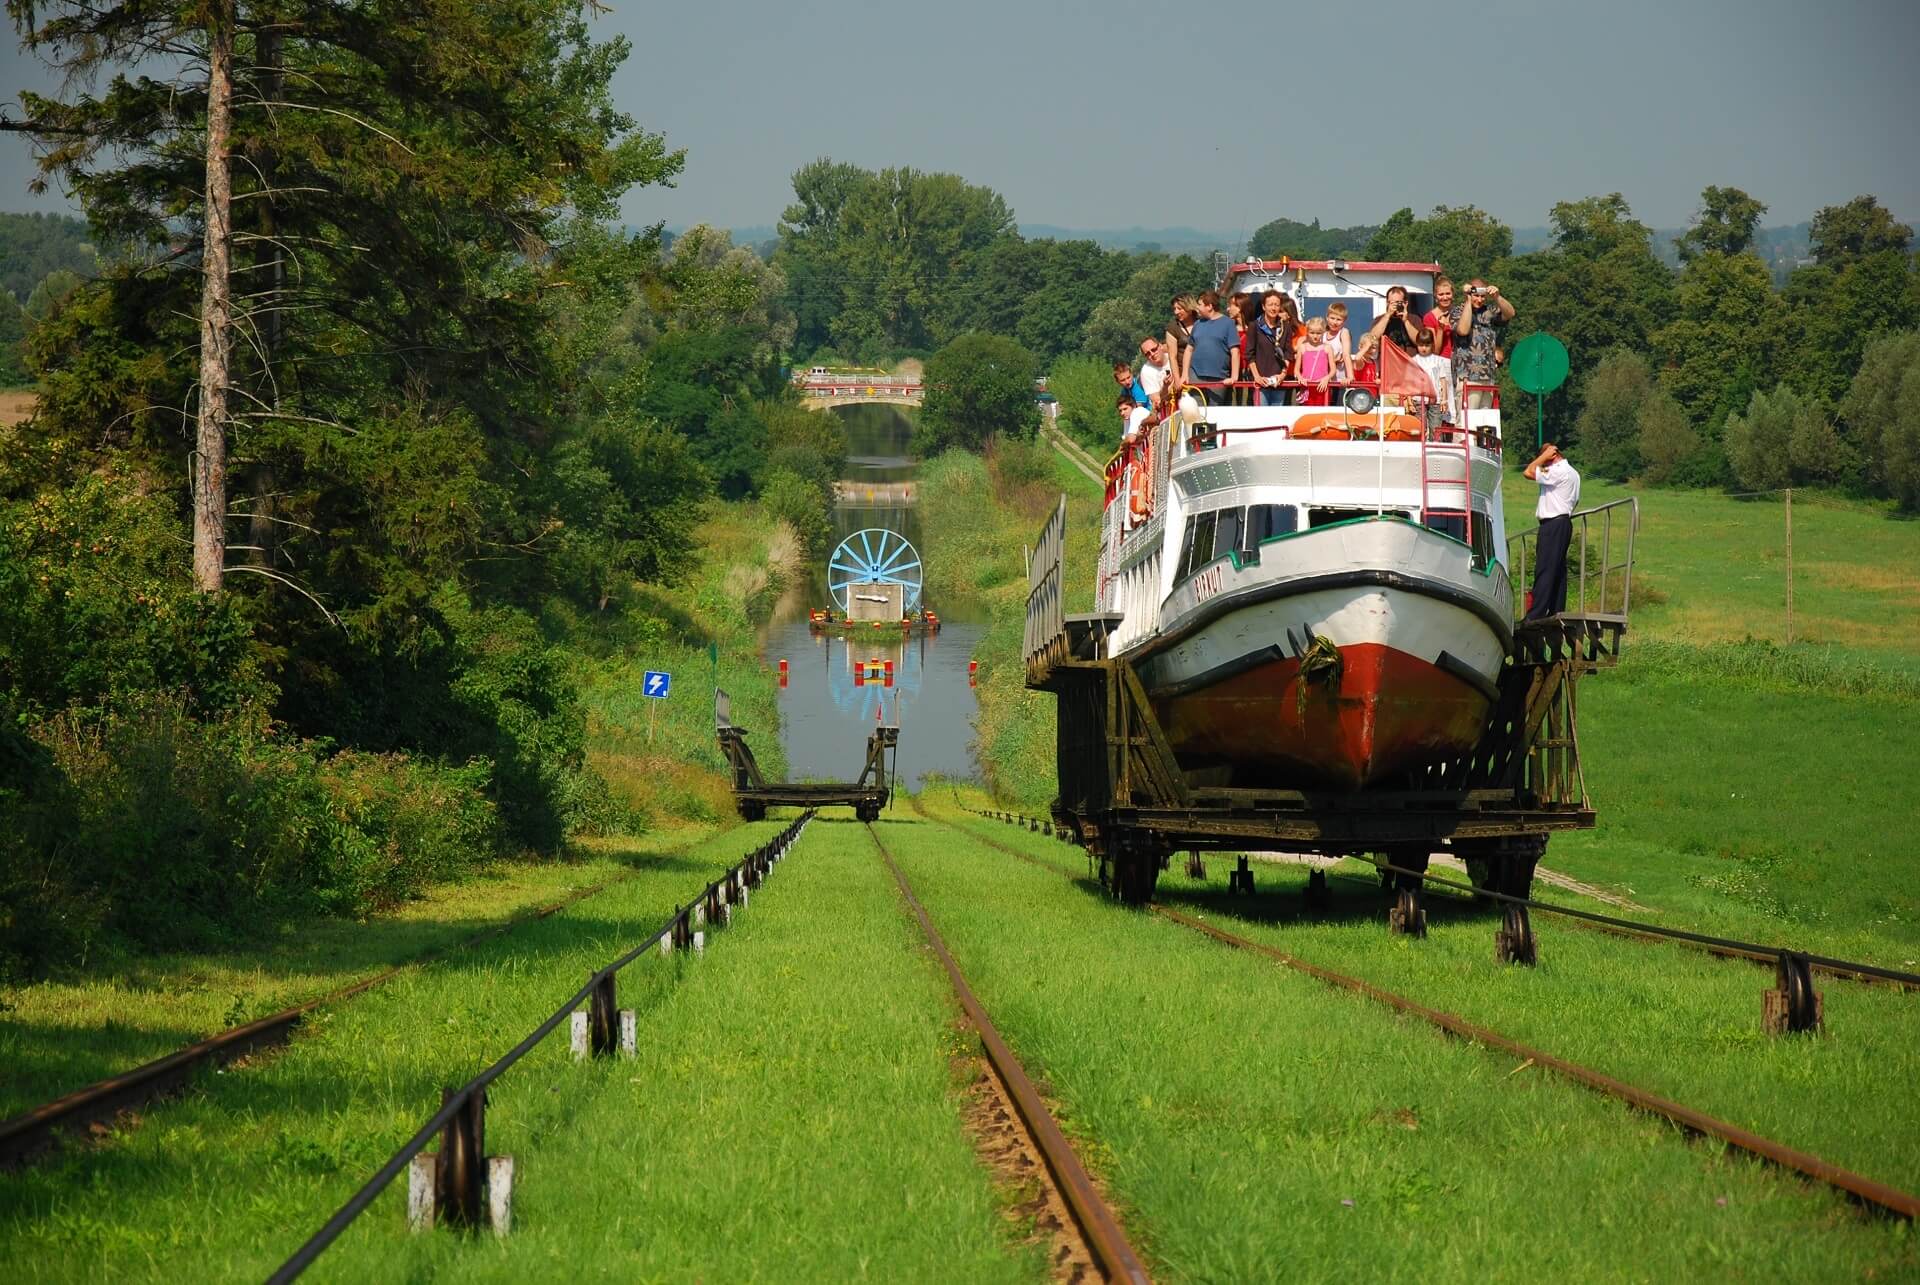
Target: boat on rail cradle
{"points": [[1313, 597]]}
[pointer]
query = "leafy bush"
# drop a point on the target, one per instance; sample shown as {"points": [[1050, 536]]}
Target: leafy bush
{"points": [[145, 827], [804, 441], [1882, 413], [513, 703], [1667, 441], [627, 497], [977, 386], [802, 504], [400, 825], [95, 610], [1086, 392], [1609, 423], [1783, 439], [1019, 464]]}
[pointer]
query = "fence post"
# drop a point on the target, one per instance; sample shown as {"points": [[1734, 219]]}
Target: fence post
{"points": [[1789, 566]]}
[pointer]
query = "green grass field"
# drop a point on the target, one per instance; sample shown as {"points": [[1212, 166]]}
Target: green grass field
{"points": [[1678, 1021], [1256, 1124], [59, 1035], [227, 1180]]}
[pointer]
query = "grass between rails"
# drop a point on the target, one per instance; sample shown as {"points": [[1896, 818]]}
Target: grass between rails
{"points": [[1682, 1023], [58, 1035], [227, 1181], [1260, 1125], [792, 1115]]}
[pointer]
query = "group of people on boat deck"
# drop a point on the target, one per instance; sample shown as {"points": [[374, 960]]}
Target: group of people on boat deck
{"points": [[1259, 351]]}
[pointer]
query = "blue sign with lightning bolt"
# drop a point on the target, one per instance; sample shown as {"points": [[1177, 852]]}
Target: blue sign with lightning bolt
{"points": [[657, 683]]}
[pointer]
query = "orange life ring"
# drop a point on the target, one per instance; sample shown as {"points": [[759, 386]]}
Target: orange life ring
{"points": [[1138, 501], [1324, 427], [1338, 426]]}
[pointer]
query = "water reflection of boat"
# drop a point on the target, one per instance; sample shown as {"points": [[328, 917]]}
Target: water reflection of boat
{"points": [[827, 621]]}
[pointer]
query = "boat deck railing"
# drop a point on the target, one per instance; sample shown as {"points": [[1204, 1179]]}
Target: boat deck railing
{"points": [[1600, 584]]}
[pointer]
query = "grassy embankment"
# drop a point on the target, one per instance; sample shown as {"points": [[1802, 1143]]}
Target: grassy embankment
{"points": [[1754, 790], [975, 528], [226, 1181], [61, 1033], [1255, 1123]]}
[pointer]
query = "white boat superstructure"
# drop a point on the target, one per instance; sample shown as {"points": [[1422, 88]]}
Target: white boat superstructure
{"points": [[1312, 594]]}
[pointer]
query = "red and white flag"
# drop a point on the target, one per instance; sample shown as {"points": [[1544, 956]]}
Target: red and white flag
{"points": [[1401, 376]]}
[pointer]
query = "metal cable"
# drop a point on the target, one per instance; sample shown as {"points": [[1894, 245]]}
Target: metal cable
{"points": [[343, 1217]]}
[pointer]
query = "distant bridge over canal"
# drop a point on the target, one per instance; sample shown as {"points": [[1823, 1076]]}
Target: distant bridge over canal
{"points": [[826, 391]]}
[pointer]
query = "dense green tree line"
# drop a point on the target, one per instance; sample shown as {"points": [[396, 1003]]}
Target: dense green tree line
{"points": [[458, 405], [1665, 359]]}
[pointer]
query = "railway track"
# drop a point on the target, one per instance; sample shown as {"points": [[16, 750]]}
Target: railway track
{"points": [[1104, 1241], [1723, 947], [1860, 1188], [32, 1133]]}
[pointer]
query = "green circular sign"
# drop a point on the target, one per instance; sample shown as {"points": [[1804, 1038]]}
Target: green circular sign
{"points": [[1539, 363]]}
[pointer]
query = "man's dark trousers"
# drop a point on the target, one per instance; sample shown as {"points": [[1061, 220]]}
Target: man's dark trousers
{"points": [[1550, 568]]}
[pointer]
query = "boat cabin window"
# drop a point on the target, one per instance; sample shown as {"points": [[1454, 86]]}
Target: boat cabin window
{"points": [[1478, 537], [1197, 550], [1264, 521], [1240, 531], [1319, 516], [1226, 532]]}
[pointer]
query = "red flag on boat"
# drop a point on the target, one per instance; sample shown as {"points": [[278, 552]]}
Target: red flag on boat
{"points": [[1400, 377]]}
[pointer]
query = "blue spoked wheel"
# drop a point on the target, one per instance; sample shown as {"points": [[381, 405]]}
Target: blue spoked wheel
{"points": [[874, 555]]}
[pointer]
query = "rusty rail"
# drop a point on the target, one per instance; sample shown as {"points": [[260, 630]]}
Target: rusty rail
{"points": [[1890, 1200], [1725, 947], [27, 1135], [1096, 1219]]}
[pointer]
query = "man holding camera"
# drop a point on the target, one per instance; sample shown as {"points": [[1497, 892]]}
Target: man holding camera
{"points": [[1559, 496], [1477, 322], [1396, 323]]}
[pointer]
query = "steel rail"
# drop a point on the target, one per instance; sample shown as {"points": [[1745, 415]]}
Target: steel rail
{"points": [[1102, 1230], [1717, 945], [32, 1132], [315, 1245], [1727, 947], [1889, 1199], [1881, 1196]]}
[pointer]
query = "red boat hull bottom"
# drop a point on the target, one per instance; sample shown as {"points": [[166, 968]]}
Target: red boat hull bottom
{"points": [[1392, 712]]}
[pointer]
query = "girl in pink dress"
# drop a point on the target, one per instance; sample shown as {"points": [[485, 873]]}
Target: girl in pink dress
{"points": [[1315, 365]]}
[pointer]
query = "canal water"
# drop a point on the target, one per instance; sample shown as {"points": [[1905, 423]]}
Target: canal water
{"points": [[824, 715]]}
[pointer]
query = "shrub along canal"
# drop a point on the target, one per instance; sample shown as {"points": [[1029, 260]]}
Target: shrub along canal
{"points": [[824, 715]]}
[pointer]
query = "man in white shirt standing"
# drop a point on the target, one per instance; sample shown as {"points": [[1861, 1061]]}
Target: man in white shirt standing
{"points": [[1559, 496]]}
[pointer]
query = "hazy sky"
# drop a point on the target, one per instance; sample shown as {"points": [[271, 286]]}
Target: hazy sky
{"points": [[1222, 116]]}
